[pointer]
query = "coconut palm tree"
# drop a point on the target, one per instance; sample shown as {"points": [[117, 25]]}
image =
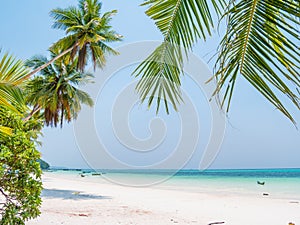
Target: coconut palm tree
{"points": [[88, 34], [261, 45], [56, 91], [12, 73]]}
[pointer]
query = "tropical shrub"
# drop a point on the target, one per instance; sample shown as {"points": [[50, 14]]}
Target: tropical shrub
{"points": [[20, 173]]}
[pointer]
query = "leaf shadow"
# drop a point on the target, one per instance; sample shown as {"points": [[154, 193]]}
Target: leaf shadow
{"points": [[70, 194]]}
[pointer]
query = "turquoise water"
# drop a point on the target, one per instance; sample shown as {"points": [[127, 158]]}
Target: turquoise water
{"points": [[278, 183], [281, 183]]}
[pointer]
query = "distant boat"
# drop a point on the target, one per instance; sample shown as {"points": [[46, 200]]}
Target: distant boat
{"points": [[96, 174], [261, 182]]}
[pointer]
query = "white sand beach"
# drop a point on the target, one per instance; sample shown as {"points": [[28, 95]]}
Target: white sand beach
{"points": [[81, 200]]}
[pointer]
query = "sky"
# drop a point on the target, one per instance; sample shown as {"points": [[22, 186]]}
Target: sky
{"points": [[256, 134]]}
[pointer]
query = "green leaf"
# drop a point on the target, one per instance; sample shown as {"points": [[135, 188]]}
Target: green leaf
{"points": [[182, 23], [260, 45]]}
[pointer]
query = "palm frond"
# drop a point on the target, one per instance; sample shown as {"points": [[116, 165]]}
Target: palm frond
{"points": [[84, 98], [99, 51], [66, 18], [5, 131], [182, 23], [90, 7], [160, 76], [261, 45], [37, 61], [12, 73], [77, 78]]}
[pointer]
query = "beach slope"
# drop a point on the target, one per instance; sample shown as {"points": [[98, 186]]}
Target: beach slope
{"points": [[70, 199]]}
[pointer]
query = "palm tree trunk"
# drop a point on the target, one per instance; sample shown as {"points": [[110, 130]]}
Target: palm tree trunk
{"points": [[62, 116], [34, 111], [49, 62]]}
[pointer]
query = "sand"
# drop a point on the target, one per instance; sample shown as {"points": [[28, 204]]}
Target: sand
{"points": [[74, 200]]}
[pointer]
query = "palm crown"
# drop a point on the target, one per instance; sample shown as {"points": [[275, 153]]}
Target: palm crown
{"points": [[56, 90], [88, 33]]}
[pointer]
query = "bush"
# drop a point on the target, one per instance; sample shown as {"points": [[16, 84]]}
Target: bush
{"points": [[20, 173]]}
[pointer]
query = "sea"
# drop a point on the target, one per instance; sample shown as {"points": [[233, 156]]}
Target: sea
{"points": [[275, 183]]}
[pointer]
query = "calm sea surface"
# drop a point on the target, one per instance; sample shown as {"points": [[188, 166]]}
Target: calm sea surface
{"points": [[281, 183]]}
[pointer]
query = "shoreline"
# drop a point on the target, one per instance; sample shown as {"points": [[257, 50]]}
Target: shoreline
{"points": [[68, 199]]}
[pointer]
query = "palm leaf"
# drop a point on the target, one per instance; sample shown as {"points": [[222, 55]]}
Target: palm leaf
{"points": [[84, 98], [12, 73], [162, 80], [260, 45], [182, 23], [66, 18], [5, 131]]}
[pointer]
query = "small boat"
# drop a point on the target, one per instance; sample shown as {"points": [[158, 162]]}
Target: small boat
{"points": [[261, 182], [96, 174]]}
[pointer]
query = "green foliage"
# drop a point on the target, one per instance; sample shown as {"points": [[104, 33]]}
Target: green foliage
{"points": [[88, 32], [12, 72], [162, 80], [43, 164], [261, 44], [20, 173], [182, 23], [55, 90]]}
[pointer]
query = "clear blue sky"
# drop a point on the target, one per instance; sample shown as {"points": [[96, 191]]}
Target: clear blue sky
{"points": [[257, 135]]}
